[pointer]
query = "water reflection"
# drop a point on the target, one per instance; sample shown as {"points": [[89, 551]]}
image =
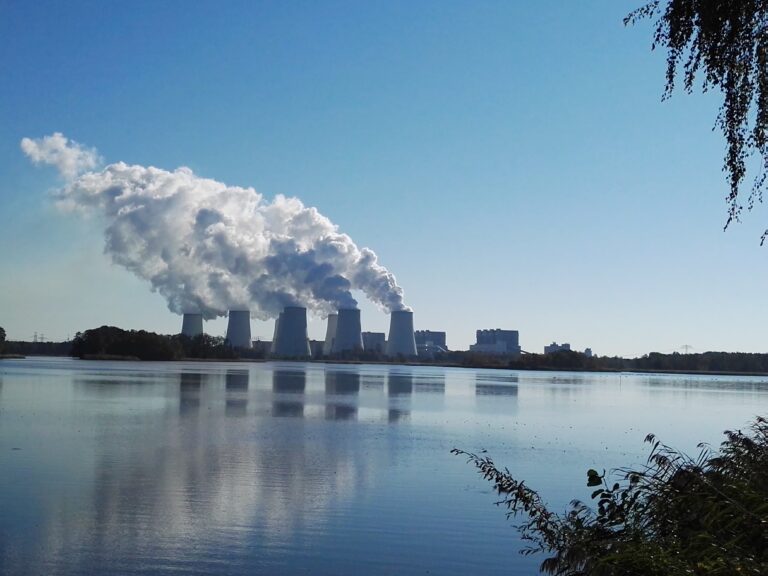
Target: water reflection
{"points": [[496, 390], [131, 485], [344, 383], [399, 390], [347, 386], [372, 381], [236, 385], [189, 392], [293, 384], [399, 384]]}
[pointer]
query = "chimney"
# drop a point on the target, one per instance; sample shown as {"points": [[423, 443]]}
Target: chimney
{"points": [[192, 324], [401, 340], [239, 328], [330, 334], [349, 336], [291, 334]]}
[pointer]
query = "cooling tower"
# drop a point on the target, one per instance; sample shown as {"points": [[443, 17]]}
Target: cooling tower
{"points": [[401, 340], [291, 333], [192, 325], [276, 333], [239, 328], [349, 335], [330, 334]]}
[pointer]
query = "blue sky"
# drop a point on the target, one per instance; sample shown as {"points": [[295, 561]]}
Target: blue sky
{"points": [[512, 163]]}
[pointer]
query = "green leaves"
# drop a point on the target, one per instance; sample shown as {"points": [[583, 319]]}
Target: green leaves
{"points": [[678, 515]]}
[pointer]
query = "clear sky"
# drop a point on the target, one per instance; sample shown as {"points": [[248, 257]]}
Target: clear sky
{"points": [[511, 162]]}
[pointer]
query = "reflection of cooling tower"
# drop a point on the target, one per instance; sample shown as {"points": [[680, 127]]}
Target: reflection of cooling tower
{"points": [[349, 334], [401, 341], [192, 325], [291, 333], [330, 334], [239, 328]]}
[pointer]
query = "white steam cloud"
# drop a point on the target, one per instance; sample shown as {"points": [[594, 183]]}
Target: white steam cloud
{"points": [[209, 247], [69, 157]]}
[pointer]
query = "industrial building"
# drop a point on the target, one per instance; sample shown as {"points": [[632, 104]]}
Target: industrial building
{"points": [[192, 324], [239, 329], [375, 342], [349, 335], [498, 342], [555, 347], [401, 340], [429, 342], [330, 334], [291, 340]]}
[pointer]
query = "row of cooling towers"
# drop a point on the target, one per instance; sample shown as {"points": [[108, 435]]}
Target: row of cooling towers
{"points": [[343, 335]]}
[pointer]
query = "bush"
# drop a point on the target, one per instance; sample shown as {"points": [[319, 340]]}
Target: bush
{"points": [[676, 515]]}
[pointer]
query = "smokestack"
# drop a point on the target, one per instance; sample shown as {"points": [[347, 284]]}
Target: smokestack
{"points": [[401, 340], [330, 334], [291, 338], [192, 325], [239, 328], [349, 335]]}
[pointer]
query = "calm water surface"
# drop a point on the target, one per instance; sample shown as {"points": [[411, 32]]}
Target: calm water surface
{"points": [[240, 468]]}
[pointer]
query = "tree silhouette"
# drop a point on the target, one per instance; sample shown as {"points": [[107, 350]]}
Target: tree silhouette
{"points": [[724, 43]]}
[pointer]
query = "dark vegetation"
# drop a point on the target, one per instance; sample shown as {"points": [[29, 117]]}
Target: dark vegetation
{"points": [[20, 348], [677, 515], [111, 342]]}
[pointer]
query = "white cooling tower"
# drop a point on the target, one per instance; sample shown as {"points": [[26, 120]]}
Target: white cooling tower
{"points": [[330, 334], [401, 340], [291, 338], [192, 325], [349, 334], [276, 333], [239, 329]]}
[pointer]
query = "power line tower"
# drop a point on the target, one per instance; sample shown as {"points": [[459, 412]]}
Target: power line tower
{"points": [[686, 348]]}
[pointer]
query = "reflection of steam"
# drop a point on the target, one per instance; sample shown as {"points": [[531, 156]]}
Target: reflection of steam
{"points": [[183, 491], [289, 382]]}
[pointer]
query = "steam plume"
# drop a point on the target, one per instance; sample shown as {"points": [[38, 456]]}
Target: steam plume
{"points": [[209, 247]]}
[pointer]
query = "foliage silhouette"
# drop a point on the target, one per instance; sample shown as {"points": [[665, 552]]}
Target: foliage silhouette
{"points": [[676, 515], [724, 43]]}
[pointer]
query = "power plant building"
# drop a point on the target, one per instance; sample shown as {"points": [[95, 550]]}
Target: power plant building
{"points": [[401, 340], [429, 339], [375, 342], [555, 347], [239, 328], [349, 336], [497, 342], [291, 340], [330, 334], [192, 324]]}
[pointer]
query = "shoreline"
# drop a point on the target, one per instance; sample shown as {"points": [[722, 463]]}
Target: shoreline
{"points": [[118, 358]]}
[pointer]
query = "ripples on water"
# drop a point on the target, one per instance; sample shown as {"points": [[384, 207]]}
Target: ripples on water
{"points": [[238, 468]]}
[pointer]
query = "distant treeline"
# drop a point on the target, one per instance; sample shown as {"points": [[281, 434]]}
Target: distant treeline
{"points": [[112, 342], [730, 362], [20, 348], [109, 341]]}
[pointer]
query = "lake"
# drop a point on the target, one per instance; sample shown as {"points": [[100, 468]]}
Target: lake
{"points": [[292, 468]]}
